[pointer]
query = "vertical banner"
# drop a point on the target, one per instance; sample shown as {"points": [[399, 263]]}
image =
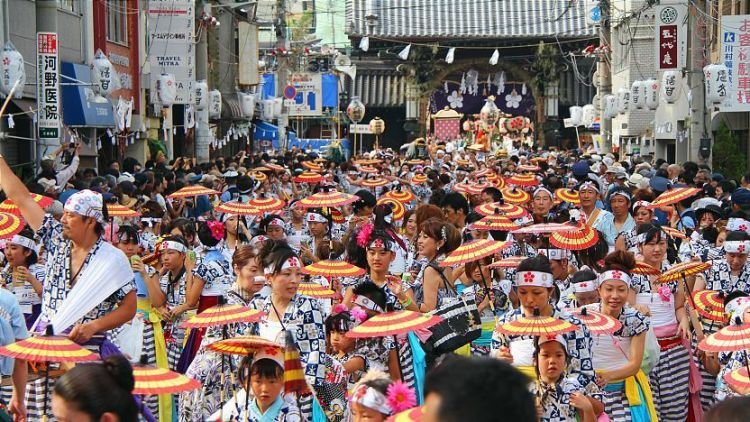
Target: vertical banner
{"points": [[170, 47], [735, 54], [671, 37], [48, 87]]}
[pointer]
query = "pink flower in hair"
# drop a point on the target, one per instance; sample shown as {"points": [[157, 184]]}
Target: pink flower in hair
{"points": [[217, 229], [363, 237], [400, 397], [339, 309], [359, 314]]}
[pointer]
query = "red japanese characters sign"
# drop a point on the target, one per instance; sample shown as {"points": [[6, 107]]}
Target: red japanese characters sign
{"points": [[671, 37]]}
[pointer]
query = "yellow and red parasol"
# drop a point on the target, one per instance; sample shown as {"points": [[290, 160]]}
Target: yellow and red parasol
{"points": [[494, 222], [259, 176], [473, 251], [674, 233], [48, 349], [529, 168], [596, 322], [238, 208], [644, 269], [536, 326], [515, 196], [275, 167], [415, 162], [308, 177], [10, 225], [243, 346], [508, 210], [328, 268], [546, 228], [316, 290], [327, 199], [738, 378], [190, 191], [510, 262], [575, 240], [41, 200], [393, 323], [117, 210], [150, 380], [683, 269], [400, 195], [523, 180], [710, 305], [374, 182], [397, 206], [673, 196], [419, 178], [311, 166], [219, 315], [732, 338], [267, 204], [337, 216], [568, 195], [368, 170]]}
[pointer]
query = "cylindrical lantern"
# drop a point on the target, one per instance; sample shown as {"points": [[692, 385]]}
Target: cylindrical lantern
{"points": [[377, 126], [247, 104], [638, 95], [576, 115], [489, 112], [610, 106], [669, 81], [277, 103], [589, 115], [201, 95], [716, 83], [651, 95], [214, 104], [167, 89], [355, 110], [623, 100], [102, 74], [267, 110], [11, 70]]}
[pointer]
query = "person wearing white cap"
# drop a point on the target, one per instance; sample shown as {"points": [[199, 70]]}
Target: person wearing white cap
{"points": [[23, 275], [534, 285], [542, 203], [618, 357], [602, 220], [560, 398]]}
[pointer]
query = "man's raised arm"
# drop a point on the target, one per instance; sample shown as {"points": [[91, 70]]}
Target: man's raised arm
{"points": [[17, 192]]}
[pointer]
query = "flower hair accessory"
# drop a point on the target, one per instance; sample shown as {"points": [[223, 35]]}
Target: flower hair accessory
{"points": [[400, 397], [217, 229], [363, 237], [443, 233]]}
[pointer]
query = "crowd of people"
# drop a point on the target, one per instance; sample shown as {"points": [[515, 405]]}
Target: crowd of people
{"points": [[123, 287]]}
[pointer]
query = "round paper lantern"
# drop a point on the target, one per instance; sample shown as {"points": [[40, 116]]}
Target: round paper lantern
{"points": [[214, 104], [102, 73], [11, 70], [623, 100], [167, 89], [716, 83], [356, 110], [247, 104], [651, 96], [576, 115], [669, 81], [377, 126], [267, 110], [589, 115], [489, 114], [638, 95], [201, 95], [610, 106]]}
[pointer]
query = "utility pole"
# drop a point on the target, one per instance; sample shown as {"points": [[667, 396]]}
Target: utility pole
{"points": [[282, 66], [604, 73], [202, 132]]}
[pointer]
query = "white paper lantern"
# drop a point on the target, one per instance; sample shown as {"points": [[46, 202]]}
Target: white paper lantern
{"points": [[651, 94], [638, 95], [167, 89], [247, 104], [102, 74], [214, 104], [267, 110], [277, 102], [610, 106], [576, 115], [201, 95], [623, 100], [716, 83], [589, 115], [669, 84], [11, 70]]}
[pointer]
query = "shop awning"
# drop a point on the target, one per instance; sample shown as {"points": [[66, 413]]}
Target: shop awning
{"points": [[264, 131], [79, 104]]}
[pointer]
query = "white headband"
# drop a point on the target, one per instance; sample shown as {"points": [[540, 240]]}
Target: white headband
{"points": [[534, 279], [543, 189], [170, 245], [589, 184], [371, 398], [641, 238], [313, 217], [558, 338], [638, 204], [622, 193], [613, 275], [555, 254], [738, 224], [291, 262], [584, 286], [25, 242], [367, 303], [737, 246], [277, 222]]}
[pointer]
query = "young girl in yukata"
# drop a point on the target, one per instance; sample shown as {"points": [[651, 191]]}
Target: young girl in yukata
{"points": [[23, 276], [559, 398], [344, 348], [376, 397], [737, 306]]}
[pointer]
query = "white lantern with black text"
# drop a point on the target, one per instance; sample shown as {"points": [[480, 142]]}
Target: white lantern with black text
{"points": [[267, 110], [638, 95], [247, 104], [167, 89], [716, 83], [277, 103], [201, 95], [669, 81], [651, 94], [610, 106], [11, 70], [623, 100], [102, 74], [589, 115], [214, 104], [576, 115]]}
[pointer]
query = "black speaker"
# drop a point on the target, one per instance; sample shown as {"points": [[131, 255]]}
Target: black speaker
{"points": [[705, 148]]}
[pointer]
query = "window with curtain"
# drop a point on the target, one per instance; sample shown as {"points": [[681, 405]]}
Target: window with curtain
{"points": [[117, 21]]}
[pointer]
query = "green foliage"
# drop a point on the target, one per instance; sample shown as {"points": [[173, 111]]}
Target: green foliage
{"points": [[728, 157], [300, 26], [546, 67]]}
